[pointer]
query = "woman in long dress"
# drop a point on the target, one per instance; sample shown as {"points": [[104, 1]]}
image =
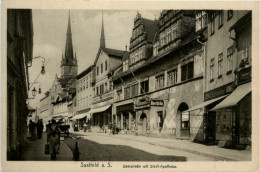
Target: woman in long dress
{"points": [[54, 138]]}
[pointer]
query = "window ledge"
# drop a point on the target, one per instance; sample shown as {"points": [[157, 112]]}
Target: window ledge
{"points": [[220, 76], [229, 72], [211, 80]]}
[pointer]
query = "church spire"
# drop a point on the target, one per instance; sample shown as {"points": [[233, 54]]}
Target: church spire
{"points": [[102, 38], [69, 46]]}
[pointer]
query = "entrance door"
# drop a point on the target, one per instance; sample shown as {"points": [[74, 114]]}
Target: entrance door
{"points": [[143, 121], [210, 126], [184, 120]]}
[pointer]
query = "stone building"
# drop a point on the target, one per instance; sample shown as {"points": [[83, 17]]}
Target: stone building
{"points": [[84, 93], [19, 55], [107, 60], [141, 48], [45, 107], [160, 94]]}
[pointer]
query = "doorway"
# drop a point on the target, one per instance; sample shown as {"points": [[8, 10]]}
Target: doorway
{"points": [[184, 120], [143, 122]]}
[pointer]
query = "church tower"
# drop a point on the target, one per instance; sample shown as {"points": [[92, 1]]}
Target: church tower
{"points": [[69, 66], [102, 38]]}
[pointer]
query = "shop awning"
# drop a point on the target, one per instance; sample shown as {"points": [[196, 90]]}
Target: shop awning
{"points": [[101, 109], [65, 114], [232, 100], [80, 116], [204, 104]]}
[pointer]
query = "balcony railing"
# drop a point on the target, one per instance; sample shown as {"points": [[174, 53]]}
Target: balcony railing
{"points": [[103, 97]]}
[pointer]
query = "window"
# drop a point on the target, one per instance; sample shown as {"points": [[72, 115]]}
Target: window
{"points": [[185, 118], [172, 77], [97, 91], [106, 87], [201, 20], [134, 90], [102, 89], [119, 95], [229, 59], [160, 118], [101, 68], [127, 93], [212, 24], [106, 65], [144, 87], [220, 19], [159, 82], [187, 71], [97, 70], [87, 83], [230, 14], [220, 61], [211, 69]]}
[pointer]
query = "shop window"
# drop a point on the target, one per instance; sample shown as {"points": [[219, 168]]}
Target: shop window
{"points": [[160, 116], [220, 19], [127, 93], [144, 87], [230, 14], [172, 77], [185, 120], [211, 69], [220, 62], [187, 71], [229, 59], [159, 82]]}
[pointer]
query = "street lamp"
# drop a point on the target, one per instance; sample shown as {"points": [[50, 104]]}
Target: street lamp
{"points": [[43, 64], [34, 92]]}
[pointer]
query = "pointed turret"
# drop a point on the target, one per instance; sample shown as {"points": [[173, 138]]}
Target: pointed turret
{"points": [[69, 46], [102, 38]]}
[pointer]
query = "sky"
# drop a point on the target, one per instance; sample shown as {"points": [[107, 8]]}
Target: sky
{"points": [[50, 28]]}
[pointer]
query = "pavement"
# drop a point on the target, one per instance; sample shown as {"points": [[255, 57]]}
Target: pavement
{"points": [[212, 152], [34, 151]]}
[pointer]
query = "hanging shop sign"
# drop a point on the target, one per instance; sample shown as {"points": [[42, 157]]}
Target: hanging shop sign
{"points": [[143, 102], [157, 103]]}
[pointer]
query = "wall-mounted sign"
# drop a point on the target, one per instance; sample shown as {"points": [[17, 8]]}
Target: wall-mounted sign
{"points": [[157, 103], [143, 101], [124, 108]]}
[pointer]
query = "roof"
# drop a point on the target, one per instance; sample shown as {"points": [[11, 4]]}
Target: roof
{"points": [[83, 73], [191, 37], [114, 52], [151, 27]]}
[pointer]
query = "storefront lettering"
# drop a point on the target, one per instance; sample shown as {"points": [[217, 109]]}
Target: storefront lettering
{"points": [[157, 103]]}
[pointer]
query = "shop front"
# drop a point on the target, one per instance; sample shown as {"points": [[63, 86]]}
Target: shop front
{"points": [[234, 118], [125, 118], [100, 118]]}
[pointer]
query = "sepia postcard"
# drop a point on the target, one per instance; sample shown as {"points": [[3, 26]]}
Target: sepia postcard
{"points": [[129, 86]]}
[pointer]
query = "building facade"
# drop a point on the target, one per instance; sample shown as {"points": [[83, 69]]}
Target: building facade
{"points": [[158, 96], [107, 60], [45, 107], [19, 57], [84, 93], [229, 74]]}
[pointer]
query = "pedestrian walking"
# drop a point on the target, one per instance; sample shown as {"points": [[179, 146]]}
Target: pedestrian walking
{"points": [[39, 129], [85, 127], [54, 138], [32, 128], [110, 128], [113, 128]]}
